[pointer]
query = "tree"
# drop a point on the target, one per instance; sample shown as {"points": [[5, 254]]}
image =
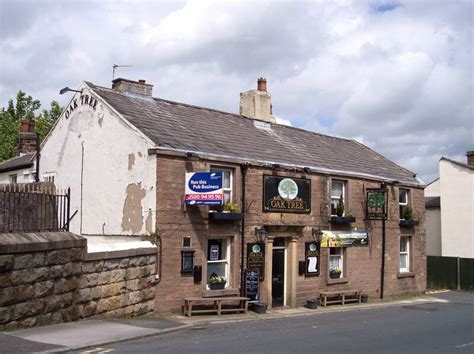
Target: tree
{"points": [[45, 121], [24, 109]]}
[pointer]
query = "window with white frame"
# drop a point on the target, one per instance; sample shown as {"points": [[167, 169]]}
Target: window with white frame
{"points": [[336, 259], [338, 188], [405, 253], [403, 197], [227, 176], [218, 258], [13, 178]]}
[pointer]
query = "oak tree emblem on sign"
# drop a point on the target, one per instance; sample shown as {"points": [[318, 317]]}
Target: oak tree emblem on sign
{"points": [[287, 189]]}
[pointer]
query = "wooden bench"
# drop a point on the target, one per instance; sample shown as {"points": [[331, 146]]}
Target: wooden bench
{"points": [[340, 297], [217, 302]]}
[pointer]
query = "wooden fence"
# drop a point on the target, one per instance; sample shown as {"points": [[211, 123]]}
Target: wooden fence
{"points": [[450, 273]]}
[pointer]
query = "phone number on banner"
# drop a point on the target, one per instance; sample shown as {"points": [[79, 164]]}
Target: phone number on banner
{"points": [[204, 197]]}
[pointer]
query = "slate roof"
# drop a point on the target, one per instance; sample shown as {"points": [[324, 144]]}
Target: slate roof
{"points": [[17, 162], [191, 128]]}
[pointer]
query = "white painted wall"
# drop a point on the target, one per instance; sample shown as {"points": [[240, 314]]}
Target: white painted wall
{"points": [[24, 175], [457, 210], [432, 189], [96, 144]]}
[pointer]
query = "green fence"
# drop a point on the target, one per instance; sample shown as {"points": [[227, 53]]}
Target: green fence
{"points": [[450, 273]]}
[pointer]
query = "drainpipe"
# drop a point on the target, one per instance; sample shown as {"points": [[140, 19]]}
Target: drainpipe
{"points": [[243, 168], [382, 272], [38, 154]]}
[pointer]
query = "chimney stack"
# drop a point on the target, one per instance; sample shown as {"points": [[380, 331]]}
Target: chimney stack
{"points": [[257, 103], [26, 138], [470, 158], [139, 87], [262, 84]]}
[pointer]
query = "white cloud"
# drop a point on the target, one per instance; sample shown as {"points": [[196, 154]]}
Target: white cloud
{"points": [[396, 75]]}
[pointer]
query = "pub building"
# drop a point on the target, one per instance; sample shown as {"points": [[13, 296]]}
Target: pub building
{"points": [[246, 206]]}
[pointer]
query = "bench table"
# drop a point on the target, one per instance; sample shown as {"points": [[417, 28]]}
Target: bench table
{"points": [[217, 302], [341, 297]]}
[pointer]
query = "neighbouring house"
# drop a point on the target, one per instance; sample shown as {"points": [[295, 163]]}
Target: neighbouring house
{"points": [[301, 208], [449, 202], [22, 167]]}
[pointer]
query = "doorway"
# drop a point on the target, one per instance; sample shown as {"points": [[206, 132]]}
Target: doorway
{"points": [[278, 272]]}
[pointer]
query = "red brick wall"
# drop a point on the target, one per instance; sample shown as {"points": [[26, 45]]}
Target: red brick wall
{"points": [[362, 264]]}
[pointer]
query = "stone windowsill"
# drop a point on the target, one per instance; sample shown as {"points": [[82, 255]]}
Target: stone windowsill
{"points": [[337, 281], [406, 275]]}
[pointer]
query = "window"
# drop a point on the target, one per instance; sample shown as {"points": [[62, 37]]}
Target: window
{"points": [[13, 178], [226, 183], [338, 188], [403, 201], [336, 259], [404, 254], [187, 261], [49, 177], [218, 258]]}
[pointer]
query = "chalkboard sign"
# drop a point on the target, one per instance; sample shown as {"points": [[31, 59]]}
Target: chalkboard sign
{"points": [[256, 258], [251, 285], [312, 258]]}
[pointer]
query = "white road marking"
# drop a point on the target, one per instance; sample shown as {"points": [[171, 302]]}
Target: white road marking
{"points": [[465, 345]]}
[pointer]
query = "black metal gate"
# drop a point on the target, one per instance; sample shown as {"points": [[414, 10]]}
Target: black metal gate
{"points": [[34, 207]]}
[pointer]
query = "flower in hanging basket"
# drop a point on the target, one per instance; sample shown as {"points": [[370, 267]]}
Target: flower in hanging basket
{"points": [[216, 279], [335, 273]]}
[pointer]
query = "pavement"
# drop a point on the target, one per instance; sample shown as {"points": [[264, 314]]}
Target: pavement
{"points": [[92, 333]]}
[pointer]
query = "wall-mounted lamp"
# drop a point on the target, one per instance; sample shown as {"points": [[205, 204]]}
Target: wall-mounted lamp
{"points": [[67, 89], [261, 234], [192, 156], [317, 234]]}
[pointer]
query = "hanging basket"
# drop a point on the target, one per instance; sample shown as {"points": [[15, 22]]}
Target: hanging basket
{"points": [[217, 286]]}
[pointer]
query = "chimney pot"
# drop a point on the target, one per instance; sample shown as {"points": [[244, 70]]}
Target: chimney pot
{"points": [[25, 126], [141, 81], [470, 158], [262, 84]]}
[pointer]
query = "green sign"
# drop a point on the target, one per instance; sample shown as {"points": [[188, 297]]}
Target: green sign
{"points": [[376, 204]]}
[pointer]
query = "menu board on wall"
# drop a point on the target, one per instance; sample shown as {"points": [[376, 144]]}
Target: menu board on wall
{"points": [[312, 259], [252, 285], [256, 258]]}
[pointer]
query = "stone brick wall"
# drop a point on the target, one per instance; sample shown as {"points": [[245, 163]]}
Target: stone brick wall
{"points": [[362, 264], [48, 278]]}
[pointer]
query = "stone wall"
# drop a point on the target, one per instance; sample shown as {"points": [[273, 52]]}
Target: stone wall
{"points": [[48, 278]]}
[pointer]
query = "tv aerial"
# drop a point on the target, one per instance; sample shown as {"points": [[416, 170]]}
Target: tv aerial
{"points": [[115, 66]]}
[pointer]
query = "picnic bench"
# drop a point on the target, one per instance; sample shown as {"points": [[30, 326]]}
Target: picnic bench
{"points": [[339, 297], [217, 303]]}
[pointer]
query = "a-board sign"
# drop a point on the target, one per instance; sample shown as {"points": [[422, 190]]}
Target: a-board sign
{"points": [[252, 285], [312, 259], [256, 258]]}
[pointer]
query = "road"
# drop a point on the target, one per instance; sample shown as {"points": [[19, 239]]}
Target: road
{"points": [[421, 328]]}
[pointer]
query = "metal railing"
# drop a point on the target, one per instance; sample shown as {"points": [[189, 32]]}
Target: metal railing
{"points": [[34, 207]]}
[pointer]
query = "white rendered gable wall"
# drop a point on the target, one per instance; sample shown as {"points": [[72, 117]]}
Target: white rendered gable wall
{"points": [[118, 175]]}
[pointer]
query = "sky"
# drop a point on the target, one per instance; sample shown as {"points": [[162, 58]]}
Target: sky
{"points": [[396, 75]]}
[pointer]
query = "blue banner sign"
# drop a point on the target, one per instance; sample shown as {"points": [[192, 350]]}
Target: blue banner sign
{"points": [[204, 188]]}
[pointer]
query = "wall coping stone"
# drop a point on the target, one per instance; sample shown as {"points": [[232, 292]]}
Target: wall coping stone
{"points": [[120, 254], [18, 242]]}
